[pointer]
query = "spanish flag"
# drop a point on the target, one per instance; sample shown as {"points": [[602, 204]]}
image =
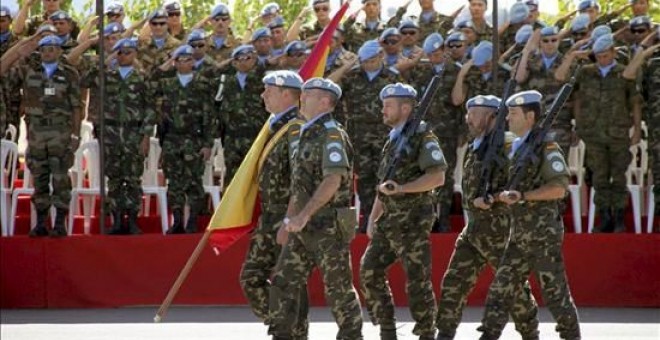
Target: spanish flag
{"points": [[238, 211]]}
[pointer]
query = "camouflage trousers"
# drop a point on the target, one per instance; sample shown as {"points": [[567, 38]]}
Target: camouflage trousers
{"points": [[366, 165], [654, 154], [235, 148], [482, 242], [445, 193], [258, 267], [400, 234], [534, 246], [608, 163], [563, 137], [48, 154], [124, 165], [323, 246], [183, 167]]}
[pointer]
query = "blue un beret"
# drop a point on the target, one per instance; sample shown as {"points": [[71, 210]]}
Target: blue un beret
{"points": [[316, 2], [183, 50], [46, 28], [483, 101], [270, 8], [220, 10], [172, 6], [322, 84], [549, 30], [465, 23], [59, 15], [398, 90], [581, 22], [241, 50], [113, 28], [408, 23], [483, 53], [523, 34], [518, 13], [388, 32], [600, 31], [50, 40], [277, 22], [5, 12], [115, 8], [532, 3], [586, 4], [196, 35], [284, 78], [603, 43], [524, 98], [641, 20], [159, 13], [262, 32], [368, 50], [432, 43], [455, 36], [125, 43], [294, 47]]}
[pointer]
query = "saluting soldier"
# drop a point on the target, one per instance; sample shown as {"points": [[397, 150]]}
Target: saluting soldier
{"points": [[155, 49], [7, 36], [174, 22], [222, 41], [29, 26], [401, 218], [429, 21], [473, 81], [357, 33]]}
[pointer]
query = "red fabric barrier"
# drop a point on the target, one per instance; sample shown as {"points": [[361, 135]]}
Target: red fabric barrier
{"points": [[103, 271]]}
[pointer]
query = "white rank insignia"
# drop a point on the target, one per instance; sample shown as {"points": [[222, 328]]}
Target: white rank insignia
{"points": [[520, 101], [279, 81], [335, 157], [479, 101], [391, 91], [436, 45], [317, 83], [436, 155], [558, 166]]}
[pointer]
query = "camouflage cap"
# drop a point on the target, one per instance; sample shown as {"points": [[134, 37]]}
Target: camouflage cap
{"points": [[398, 90], [432, 43], [524, 98], [284, 78]]}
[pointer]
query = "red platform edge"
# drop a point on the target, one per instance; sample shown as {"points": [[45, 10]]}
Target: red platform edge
{"points": [[609, 270]]}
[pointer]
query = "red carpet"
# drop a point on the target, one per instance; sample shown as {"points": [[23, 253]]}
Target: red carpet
{"points": [[103, 271]]}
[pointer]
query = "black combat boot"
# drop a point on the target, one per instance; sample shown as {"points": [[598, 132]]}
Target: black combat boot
{"points": [[116, 223], [177, 222], [40, 229], [133, 227], [59, 230], [388, 332], [191, 225], [427, 337], [619, 224], [606, 222], [443, 224]]}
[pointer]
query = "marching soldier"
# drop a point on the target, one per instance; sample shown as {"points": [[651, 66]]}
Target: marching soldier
{"points": [[319, 221], [401, 219], [185, 107], [281, 96], [484, 238]]}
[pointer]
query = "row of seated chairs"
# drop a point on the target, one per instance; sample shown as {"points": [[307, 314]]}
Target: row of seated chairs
{"points": [[86, 183]]}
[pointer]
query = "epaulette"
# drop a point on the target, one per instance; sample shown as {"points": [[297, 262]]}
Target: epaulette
{"points": [[423, 127], [393, 70], [331, 124], [458, 64], [550, 137], [355, 68]]}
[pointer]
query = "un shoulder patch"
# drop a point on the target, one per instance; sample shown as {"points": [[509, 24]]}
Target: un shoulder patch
{"points": [[331, 124]]}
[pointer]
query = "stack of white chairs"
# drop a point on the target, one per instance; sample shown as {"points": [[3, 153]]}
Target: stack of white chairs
{"points": [[216, 164], [650, 210], [8, 161], [578, 190], [151, 184], [26, 189], [86, 171], [458, 174]]}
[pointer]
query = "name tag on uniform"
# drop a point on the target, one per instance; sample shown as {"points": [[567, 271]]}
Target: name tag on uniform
{"points": [[49, 91]]}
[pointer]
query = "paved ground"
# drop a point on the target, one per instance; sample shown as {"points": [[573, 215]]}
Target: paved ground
{"points": [[237, 323]]}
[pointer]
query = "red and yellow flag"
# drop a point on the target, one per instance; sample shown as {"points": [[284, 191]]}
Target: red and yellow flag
{"points": [[238, 211]]}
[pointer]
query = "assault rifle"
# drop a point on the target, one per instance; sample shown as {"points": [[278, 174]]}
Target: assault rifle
{"points": [[411, 126], [533, 145]]}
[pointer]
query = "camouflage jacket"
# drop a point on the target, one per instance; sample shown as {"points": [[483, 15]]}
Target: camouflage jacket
{"points": [[422, 154], [182, 36], [484, 33], [360, 107], [604, 104], [151, 56], [242, 111], [445, 119], [651, 92], [275, 176], [439, 23], [185, 111], [221, 53], [477, 85], [33, 23], [52, 98], [323, 149], [128, 102], [357, 33], [310, 30], [543, 80], [338, 61], [7, 44]]}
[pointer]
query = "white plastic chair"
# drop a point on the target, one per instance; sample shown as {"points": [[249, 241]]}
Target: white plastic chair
{"points": [[8, 160], [26, 189], [458, 174], [651, 210], [576, 168], [151, 185], [86, 167], [86, 131], [11, 133], [216, 164]]}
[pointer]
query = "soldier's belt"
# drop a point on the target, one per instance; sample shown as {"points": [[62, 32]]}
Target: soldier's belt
{"points": [[134, 123], [49, 121]]}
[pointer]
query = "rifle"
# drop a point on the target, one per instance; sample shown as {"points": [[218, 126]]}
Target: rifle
{"points": [[533, 145], [411, 126]]}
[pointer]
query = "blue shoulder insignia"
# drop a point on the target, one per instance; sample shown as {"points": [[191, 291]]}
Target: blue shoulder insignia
{"points": [[331, 124]]}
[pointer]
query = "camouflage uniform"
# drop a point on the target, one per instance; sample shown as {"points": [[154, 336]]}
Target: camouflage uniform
{"points": [[7, 42], [3, 110], [221, 53], [602, 122], [324, 149], [651, 88], [151, 56], [310, 30], [242, 115], [49, 107], [484, 33], [127, 107], [358, 32], [403, 232], [186, 124], [274, 190], [365, 128], [534, 246], [438, 22], [182, 36], [336, 59], [482, 242], [32, 25], [543, 80], [446, 121], [477, 85]]}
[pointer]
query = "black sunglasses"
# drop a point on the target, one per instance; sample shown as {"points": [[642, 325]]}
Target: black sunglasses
{"points": [[174, 14], [549, 40], [411, 32], [199, 45], [158, 23], [638, 31], [321, 9], [391, 41], [454, 45]]}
